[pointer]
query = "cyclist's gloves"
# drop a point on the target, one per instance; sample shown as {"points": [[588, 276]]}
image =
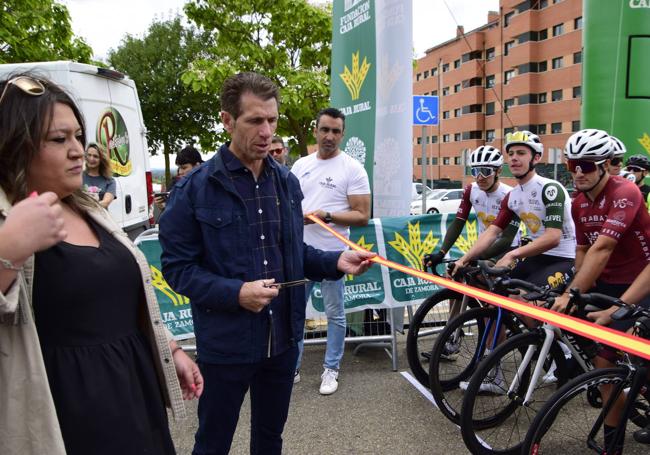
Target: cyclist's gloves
{"points": [[431, 260]]}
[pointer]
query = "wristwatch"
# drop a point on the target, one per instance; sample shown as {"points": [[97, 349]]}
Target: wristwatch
{"points": [[328, 217]]}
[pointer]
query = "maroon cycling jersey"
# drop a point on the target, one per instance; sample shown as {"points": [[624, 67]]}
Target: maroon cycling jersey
{"points": [[617, 212]]}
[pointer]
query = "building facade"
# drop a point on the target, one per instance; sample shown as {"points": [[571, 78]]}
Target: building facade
{"points": [[520, 71]]}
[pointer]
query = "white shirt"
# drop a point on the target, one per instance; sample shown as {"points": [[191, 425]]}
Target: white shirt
{"points": [[326, 185]]}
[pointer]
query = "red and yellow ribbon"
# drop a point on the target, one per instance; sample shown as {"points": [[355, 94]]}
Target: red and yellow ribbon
{"points": [[619, 340]]}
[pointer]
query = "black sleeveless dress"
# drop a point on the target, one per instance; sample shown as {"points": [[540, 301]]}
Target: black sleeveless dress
{"points": [[99, 365]]}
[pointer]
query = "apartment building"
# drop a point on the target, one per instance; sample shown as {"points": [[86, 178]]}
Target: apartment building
{"points": [[520, 71]]}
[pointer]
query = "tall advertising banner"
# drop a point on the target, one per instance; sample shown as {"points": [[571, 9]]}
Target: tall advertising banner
{"points": [[371, 84], [616, 65]]}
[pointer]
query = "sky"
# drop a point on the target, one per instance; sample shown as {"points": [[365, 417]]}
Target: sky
{"points": [[104, 24]]}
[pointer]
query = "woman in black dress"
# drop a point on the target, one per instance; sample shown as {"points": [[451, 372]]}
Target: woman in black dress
{"points": [[73, 284]]}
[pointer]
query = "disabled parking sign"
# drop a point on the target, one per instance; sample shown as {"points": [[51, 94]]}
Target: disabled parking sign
{"points": [[425, 110]]}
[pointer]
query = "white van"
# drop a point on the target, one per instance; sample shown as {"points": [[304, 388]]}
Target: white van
{"points": [[111, 108]]}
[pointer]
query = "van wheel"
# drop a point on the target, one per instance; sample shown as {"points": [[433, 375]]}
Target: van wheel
{"points": [[432, 210]]}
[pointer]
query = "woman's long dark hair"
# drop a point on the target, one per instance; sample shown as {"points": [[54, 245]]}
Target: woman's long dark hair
{"points": [[105, 169]]}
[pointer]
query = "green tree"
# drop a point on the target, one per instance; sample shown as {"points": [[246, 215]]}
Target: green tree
{"points": [[288, 41], [38, 31], [173, 112]]}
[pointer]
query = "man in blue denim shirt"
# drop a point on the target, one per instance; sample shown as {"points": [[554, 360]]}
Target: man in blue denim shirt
{"points": [[232, 228]]}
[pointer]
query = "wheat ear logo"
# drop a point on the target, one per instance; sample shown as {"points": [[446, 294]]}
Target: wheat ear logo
{"points": [[645, 142], [159, 283], [465, 243], [414, 249], [366, 246], [354, 80]]}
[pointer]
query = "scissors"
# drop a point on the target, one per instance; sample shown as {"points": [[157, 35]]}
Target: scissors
{"points": [[287, 284]]}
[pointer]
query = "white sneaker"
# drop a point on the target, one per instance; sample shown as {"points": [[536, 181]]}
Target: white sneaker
{"points": [[451, 350], [330, 383], [494, 383], [296, 377], [549, 377]]}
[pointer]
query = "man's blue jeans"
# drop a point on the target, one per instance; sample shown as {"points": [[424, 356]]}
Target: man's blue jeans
{"points": [[332, 292]]}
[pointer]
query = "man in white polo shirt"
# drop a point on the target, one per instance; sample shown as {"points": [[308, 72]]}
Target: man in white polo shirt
{"points": [[336, 190]]}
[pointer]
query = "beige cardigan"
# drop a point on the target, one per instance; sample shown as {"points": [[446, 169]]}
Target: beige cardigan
{"points": [[28, 421]]}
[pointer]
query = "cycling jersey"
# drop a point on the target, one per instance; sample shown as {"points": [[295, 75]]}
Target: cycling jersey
{"points": [[618, 212], [486, 205], [541, 203]]}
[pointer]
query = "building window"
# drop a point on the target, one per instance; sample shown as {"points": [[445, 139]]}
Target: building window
{"points": [[507, 18], [542, 4], [558, 29], [418, 76], [575, 126], [556, 128], [542, 66], [456, 64], [473, 82], [445, 91], [434, 139], [445, 160], [528, 98], [456, 137], [457, 160], [489, 81], [507, 131], [556, 95], [577, 92], [542, 35], [445, 67], [541, 129], [557, 63], [457, 112], [476, 134], [507, 47], [489, 108], [456, 88], [426, 74], [445, 138], [507, 104], [474, 55], [472, 108], [490, 54], [577, 23], [508, 75], [434, 71], [577, 57], [434, 160], [434, 93], [541, 98], [445, 115], [419, 141], [489, 136]]}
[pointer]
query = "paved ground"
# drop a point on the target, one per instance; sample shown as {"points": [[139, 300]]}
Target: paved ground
{"points": [[375, 411]]}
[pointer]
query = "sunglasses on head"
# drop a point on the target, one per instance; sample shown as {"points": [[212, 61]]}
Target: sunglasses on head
{"points": [[483, 171], [582, 166], [634, 169], [26, 84], [616, 161], [517, 136]]}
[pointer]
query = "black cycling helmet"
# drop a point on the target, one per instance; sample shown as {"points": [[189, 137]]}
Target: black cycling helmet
{"points": [[641, 161]]}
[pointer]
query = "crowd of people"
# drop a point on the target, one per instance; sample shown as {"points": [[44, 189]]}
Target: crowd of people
{"points": [[88, 367]]}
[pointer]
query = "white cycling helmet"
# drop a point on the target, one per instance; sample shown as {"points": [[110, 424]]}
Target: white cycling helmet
{"points": [[525, 138], [618, 148], [589, 144], [486, 155]]}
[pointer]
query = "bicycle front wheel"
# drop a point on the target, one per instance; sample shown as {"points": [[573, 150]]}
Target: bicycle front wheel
{"points": [[456, 354], [428, 321], [564, 423], [494, 415]]}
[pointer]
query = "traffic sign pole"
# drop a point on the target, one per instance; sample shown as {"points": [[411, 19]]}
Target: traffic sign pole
{"points": [[423, 135]]}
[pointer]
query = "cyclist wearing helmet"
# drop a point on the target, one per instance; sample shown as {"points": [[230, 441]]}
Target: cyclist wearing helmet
{"points": [[618, 152], [545, 208], [612, 234], [485, 195], [639, 165]]}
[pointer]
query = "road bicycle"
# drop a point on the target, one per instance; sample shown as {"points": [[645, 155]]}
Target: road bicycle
{"points": [[526, 370], [571, 421]]}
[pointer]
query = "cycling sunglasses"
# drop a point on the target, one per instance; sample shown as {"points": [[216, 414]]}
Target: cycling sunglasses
{"points": [[634, 169], [483, 171], [616, 161], [582, 166], [28, 85]]}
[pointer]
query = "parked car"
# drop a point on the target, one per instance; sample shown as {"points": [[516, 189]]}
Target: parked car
{"points": [[416, 190], [440, 201]]}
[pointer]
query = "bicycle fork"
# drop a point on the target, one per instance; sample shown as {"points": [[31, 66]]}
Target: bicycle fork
{"points": [[549, 336]]}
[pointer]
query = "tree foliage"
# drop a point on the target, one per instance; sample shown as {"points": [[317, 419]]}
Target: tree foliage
{"points": [[38, 31], [287, 40], [173, 113]]}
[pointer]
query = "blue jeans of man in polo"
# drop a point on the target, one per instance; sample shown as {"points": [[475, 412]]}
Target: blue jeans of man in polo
{"points": [[332, 292]]}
